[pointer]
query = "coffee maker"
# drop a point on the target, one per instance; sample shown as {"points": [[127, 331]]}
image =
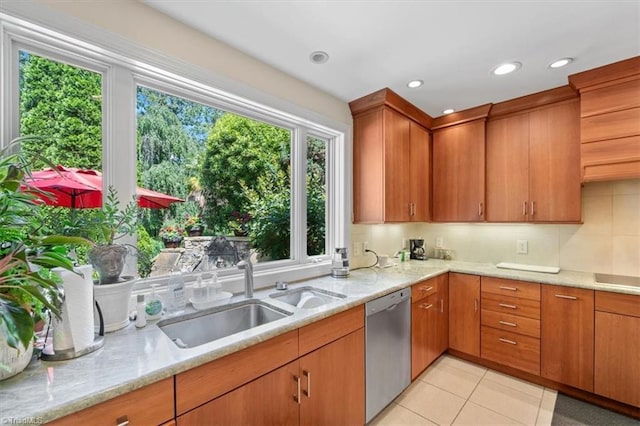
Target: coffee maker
{"points": [[416, 249]]}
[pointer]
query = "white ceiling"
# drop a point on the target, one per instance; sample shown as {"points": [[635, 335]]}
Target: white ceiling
{"points": [[451, 45]]}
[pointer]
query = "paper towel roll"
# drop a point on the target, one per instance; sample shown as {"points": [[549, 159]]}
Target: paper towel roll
{"points": [[76, 328]]}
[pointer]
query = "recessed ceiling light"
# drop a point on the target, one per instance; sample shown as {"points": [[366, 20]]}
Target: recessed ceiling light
{"points": [[448, 111], [319, 57], [560, 63], [415, 83], [506, 68]]}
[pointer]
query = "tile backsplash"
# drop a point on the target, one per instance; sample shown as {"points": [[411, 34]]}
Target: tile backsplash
{"points": [[608, 241]]}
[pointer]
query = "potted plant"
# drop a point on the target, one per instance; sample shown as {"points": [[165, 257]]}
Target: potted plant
{"points": [[28, 289], [105, 226], [171, 233], [193, 224], [239, 223]]}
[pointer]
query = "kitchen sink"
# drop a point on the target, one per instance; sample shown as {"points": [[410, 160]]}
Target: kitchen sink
{"points": [[293, 297], [188, 331]]}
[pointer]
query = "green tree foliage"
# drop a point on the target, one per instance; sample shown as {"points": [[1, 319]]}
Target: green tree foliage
{"points": [[64, 103], [240, 151], [148, 249]]}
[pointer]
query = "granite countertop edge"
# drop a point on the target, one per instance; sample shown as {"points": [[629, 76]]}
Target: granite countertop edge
{"points": [[384, 281]]}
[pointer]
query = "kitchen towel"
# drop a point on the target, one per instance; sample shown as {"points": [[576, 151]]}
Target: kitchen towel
{"points": [[75, 330]]}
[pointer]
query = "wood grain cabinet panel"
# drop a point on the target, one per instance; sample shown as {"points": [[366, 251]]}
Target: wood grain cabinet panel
{"points": [[533, 166], [511, 288], [464, 313], [150, 405], [459, 173], [390, 168], [567, 336], [512, 349]]}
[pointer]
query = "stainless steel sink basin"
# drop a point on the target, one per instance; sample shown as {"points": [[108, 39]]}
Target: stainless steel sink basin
{"points": [[292, 297], [202, 327]]}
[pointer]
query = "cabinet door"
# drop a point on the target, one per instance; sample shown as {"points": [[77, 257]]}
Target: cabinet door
{"points": [[554, 177], [368, 168], [617, 357], [420, 152], [508, 169], [333, 383], [397, 156], [567, 335], [424, 334], [464, 313], [459, 173], [269, 400], [443, 314]]}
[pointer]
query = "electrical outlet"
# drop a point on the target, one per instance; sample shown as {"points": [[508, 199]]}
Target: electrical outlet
{"points": [[365, 246], [522, 247], [439, 242], [357, 248]]}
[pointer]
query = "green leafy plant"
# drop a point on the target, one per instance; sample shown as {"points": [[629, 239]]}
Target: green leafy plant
{"points": [[171, 231], [26, 255]]}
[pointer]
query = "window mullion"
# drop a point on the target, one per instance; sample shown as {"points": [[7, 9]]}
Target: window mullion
{"points": [[299, 195]]}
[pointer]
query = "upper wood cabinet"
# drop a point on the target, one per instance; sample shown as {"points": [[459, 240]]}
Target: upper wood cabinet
{"points": [[610, 120], [459, 166], [533, 171], [390, 160]]}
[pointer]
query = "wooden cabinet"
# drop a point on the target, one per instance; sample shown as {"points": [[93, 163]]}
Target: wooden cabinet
{"points": [[429, 322], [260, 385], [567, 336], [464, 313], [511, 323], [390, 161], [150, 405], [459, 172], [617, 347], [533, 172], [610, 120]]}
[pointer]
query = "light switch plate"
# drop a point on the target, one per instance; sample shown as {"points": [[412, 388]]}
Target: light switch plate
{"points": [[522, 247]]}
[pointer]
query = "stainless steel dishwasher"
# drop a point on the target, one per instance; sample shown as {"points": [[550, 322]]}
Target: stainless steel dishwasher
{"points": [[388, 349]]}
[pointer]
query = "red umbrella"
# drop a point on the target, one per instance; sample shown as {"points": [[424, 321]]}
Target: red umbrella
{"points": [[78, 188]]}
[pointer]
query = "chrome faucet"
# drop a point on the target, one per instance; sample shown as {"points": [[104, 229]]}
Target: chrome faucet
{"points": [[248, 277]]}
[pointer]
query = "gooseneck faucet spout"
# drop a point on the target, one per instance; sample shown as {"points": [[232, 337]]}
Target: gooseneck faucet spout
{"points": [[248, 277]]}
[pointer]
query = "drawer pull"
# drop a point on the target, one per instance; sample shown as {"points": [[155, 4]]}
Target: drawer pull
{"points": [[426, 288], [511, 342], [504, 287], [504, 305], [510, 324], [296, 397], [122, 421], [562, 296], [426, 306]]}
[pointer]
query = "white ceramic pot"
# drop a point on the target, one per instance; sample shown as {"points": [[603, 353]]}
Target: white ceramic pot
{"points": [[13, 361], [114, 303]]}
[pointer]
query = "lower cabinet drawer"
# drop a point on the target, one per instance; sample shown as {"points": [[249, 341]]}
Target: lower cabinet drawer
{"points": [[513, 323], [511, 305], [512, 349]]}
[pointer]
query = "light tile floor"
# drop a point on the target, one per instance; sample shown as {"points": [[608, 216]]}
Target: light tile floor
{"points": [[453, 391]]}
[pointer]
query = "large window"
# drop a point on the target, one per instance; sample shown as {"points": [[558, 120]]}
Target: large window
{"points": [[261, 178]]}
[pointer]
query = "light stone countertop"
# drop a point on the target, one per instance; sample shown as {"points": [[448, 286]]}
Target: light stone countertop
{"points": [[132, 358]]}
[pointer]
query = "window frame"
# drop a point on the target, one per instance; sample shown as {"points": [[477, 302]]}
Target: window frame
{"points": [[122, 70]]}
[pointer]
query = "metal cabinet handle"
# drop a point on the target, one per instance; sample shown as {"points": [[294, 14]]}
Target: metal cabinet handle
{"points": [[475, 305], [533, 208], [511, 342], [504, 305], [122, 421], [426, 288], [510, 324], [562, 296], [503, 287], [307, 374], [426, 306], [524, 208], [479, 209], [410, 209], [296, 397], [441, 306]]}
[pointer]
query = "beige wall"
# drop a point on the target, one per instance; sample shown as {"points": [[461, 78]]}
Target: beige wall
{"points": [[153, 30], [608, 241]]}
